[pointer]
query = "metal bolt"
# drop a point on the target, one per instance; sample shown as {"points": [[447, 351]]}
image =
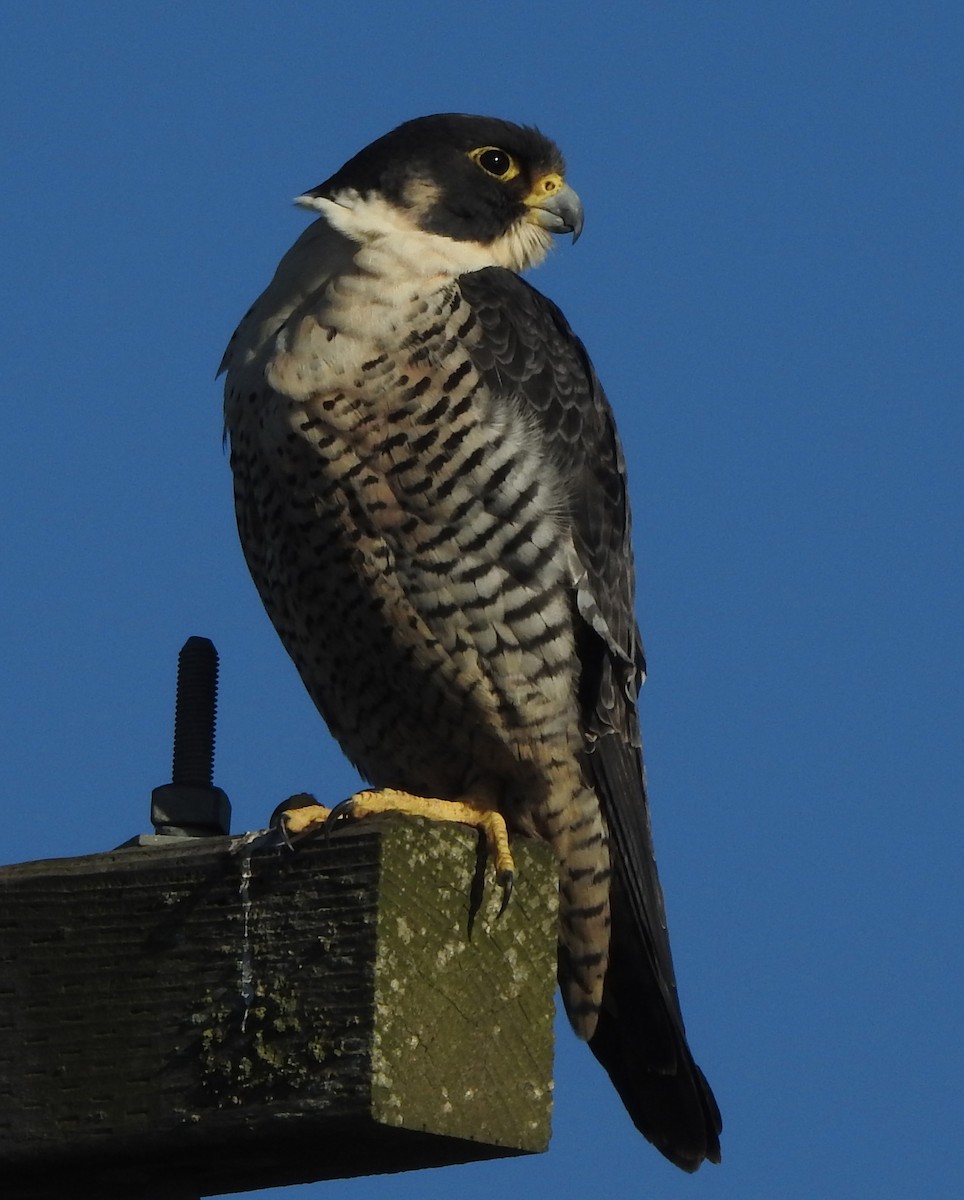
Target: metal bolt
{"points": [[195, 713], [190, 806]]}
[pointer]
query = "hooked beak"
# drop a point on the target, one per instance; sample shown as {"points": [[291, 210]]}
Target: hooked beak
{"points": [[555, 206]]}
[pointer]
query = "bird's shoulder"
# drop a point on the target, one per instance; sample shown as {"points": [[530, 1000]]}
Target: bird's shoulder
{"points": [[319, 255], [525, 349]]}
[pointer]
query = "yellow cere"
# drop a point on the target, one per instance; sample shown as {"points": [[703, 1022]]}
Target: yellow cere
{"points": [[545, 186]]}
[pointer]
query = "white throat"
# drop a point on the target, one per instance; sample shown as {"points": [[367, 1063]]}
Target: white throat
{"points": [[383, 229]]}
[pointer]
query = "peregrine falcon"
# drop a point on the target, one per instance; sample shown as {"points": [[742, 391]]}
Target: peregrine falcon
{"points": [[431, 498]]}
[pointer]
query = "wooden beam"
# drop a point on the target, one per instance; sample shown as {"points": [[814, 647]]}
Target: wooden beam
{"points": [[211, 1015]]}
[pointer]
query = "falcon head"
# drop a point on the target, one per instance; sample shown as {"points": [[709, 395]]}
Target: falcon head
{"points": [[496, 189]]}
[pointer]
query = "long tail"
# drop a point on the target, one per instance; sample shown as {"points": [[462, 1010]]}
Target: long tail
{"points": [[639, 1037], [640, 1041]]}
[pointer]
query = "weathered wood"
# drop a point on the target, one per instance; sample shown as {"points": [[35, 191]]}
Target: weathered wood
{"points": [[225, 1017]]}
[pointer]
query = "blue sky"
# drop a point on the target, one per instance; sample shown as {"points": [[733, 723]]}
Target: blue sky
{"points": [[770, 286]]}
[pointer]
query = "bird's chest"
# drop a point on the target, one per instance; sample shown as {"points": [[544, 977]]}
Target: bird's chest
{"points": [[400, 439], [403, 510]]}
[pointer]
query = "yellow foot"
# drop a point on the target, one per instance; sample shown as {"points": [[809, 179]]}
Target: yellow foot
{"points": [[297, 814], [302, 813]]}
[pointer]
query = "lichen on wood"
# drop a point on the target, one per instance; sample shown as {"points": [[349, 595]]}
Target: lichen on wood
{"points": [[255, 1017]]}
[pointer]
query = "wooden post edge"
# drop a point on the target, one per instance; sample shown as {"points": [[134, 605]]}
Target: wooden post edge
{"points": [[227, 1016]]}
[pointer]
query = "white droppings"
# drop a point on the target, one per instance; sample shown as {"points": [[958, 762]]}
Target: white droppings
{"points": [[246, 961]]}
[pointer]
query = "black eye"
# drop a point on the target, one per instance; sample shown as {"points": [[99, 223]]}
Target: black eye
{"points": [[495, 162]]}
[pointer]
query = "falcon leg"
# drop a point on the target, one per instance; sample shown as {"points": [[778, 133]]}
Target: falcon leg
{"points": [[470, 809]]}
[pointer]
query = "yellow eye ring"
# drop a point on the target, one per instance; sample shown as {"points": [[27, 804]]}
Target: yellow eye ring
{"points": [[495, 162]]}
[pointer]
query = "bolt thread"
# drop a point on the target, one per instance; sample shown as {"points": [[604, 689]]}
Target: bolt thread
{"points": [[195, 712]]}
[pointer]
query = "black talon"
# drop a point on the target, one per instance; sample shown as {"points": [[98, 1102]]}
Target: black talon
{"points": [[285, 835], [505, 880], [340, 813]]}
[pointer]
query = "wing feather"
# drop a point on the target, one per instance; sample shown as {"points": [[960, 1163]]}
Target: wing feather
{"points": [[528, 352]]}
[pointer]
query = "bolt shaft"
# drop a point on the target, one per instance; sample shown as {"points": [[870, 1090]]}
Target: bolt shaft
{"points": [[195, 713]]}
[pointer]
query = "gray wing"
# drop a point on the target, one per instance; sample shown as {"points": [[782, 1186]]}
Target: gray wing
{"points": [[529, 352]]}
